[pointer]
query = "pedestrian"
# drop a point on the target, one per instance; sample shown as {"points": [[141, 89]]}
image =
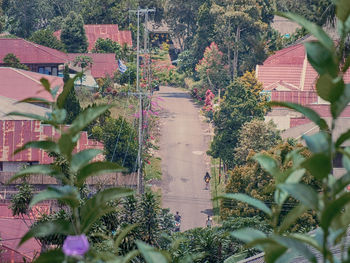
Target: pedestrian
{"points": [[209, 222], [207, 180]]}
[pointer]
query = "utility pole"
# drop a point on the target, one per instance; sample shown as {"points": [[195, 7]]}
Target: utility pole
{"points": [[140, 183]]}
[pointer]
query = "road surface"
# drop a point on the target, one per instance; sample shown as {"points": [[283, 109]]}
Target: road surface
{"points": [[183, 145]]}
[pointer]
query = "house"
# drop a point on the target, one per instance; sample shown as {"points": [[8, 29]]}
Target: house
{"points": [[20, 84], [38, 58], [103, 64], [94, 32], [287, 76]]}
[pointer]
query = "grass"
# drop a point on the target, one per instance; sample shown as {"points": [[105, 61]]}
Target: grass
{"points": [[153, 171], [217, 188]]}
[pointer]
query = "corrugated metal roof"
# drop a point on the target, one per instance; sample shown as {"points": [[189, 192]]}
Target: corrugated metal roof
{"points": [[29, 52], [19, 84], [94, 32], [103, 63], [14, 134]]}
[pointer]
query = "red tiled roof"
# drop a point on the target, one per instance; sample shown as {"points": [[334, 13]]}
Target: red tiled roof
{"points": [[14, 134], [20, 84], [103, 63], [290, 65], [94, 32], [30, 53]]}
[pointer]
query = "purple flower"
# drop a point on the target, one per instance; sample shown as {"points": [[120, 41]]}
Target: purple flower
{"points": [[75, 245]]}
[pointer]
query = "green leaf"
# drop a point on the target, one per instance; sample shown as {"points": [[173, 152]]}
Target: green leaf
{"points": [[321, 59], [314, 29], [297, 246], [86, 117], [48, 228], [338, 106], [330, 89], [66, 194], [306, 238], [304, 193], [97, 168], [250, 201], [268, 163], [294, 177], [248, 235], [46, 84], [340, 184], [35, 100], [66, 145], [68, 86], [48, 146], [84, 157], [152, 255], [274, 252], [38, 169], [97, 206], [51, 256], [333, 210], [291, 217], [28, 115], [309, 113], [346, 64], [342, 138], [346, 158], [319, 165], [123, 234], [343, 9], [318, 143]]}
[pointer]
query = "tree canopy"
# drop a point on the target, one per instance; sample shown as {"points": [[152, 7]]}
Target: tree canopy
{"points": [[73, 34]]}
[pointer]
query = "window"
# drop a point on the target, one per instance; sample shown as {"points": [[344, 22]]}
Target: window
{"points": [[1, 167]]}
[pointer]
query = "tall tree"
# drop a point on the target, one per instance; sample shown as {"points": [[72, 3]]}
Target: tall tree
{"points": [[73, 34], [240, 104], [181, 17], [71, 104], [205, 30], [23, 17], [238, 30], [46, 38]]}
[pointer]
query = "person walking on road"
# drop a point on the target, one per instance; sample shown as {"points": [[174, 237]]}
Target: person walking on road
{"points": [[207, 180], [209, 222]]}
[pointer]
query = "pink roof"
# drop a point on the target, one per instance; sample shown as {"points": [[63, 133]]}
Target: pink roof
{"points": [[290, 66], [30, 53], [20, 84], [103, 63], [13, 228], [94, 32], [15, 133]]}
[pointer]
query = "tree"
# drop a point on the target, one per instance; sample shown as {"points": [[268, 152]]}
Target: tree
{"points": [[10, 60], [73, 34], [23, 17], [71, 104], [238, 30], [255, 136], [212, 70], [241, 103], [320, 12], [205, 31], [46, 38], [252, 180], [181, 18], [118, 137], [107, 46]]}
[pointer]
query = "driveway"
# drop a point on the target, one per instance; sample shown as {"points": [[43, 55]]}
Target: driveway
{"points": [[183, 145]]}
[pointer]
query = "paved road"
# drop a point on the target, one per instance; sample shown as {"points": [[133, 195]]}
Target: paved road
{"points": [[184, 141]]}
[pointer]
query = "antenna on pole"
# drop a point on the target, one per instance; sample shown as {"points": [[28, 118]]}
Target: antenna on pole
{"points": [[140, 183]]}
